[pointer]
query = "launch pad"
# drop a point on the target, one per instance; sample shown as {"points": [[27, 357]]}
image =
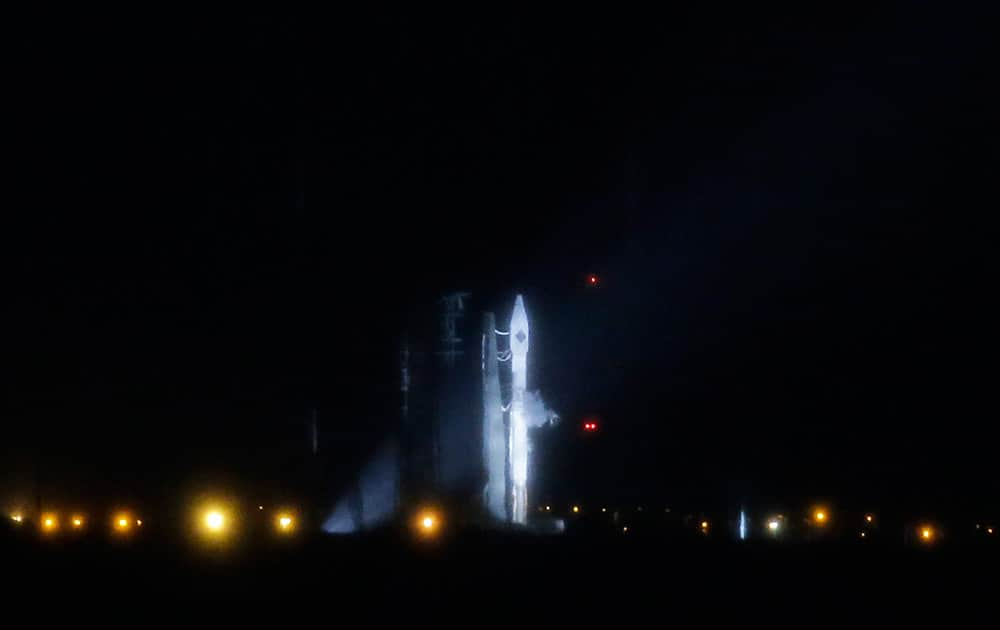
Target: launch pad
{"points": [[466, 413]]}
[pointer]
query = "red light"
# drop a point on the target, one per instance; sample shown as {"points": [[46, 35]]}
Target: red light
{"points": [[592, 280], [589, 426]]}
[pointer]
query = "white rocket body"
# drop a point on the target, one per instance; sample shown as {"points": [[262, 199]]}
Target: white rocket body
{"points": [[518, 446]]}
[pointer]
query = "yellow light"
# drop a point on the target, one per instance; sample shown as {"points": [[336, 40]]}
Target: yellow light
{"points": [[820, 516], [862, 534], [284, 522], [138, 522], [926, 533], [260, 507], [604, 509], [17, 518], [989, 530], [869, 518], [576, 509], [428, 523], [77, 521], [773, 524], [215, 521], [50, 523], [625, 529], [704, 524], [122, 523], [548, 508]]}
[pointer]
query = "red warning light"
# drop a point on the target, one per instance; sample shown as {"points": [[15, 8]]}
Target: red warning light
{"points": [[590, 426], [593, 280]]}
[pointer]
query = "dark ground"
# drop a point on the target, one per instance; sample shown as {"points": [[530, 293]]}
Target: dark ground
{"points": [[483, 579]]}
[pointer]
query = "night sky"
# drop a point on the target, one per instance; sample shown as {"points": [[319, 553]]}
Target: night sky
{"points": [[214, 223]]}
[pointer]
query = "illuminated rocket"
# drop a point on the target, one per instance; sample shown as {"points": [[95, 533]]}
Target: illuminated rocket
{"points": [[505, 445], [518, 441]]}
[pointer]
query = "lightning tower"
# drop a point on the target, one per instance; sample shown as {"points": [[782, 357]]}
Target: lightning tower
{"points": [[494, 432]]}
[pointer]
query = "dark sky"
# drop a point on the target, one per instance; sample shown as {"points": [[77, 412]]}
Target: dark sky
{"points": [[214, 222]]}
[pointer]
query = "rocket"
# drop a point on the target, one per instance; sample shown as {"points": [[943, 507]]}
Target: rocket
{"points": [[518, 441]]}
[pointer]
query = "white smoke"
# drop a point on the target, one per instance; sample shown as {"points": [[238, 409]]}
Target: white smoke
{"points": [[536, 412], [373, 499]]}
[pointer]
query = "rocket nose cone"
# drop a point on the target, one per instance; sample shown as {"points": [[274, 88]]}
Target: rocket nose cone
{"points": [[519, 316], [519, 327]]}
